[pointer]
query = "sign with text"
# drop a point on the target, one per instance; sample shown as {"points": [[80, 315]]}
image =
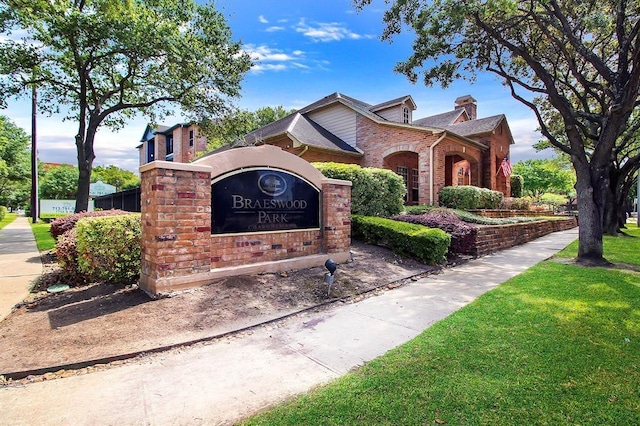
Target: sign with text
{"points": [[262, 199], [60, 207], [100, 188]]}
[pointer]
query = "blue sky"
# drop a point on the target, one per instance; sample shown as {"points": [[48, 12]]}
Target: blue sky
{"points": [[304, 50]]}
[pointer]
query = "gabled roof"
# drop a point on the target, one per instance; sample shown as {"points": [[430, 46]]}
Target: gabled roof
{"points": [[441, 120], [302, 130], [393, 102], [149, 131], [476, 127]]}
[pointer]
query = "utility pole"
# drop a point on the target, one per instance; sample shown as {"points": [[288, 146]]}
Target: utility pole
{"points": [[34, 155]]}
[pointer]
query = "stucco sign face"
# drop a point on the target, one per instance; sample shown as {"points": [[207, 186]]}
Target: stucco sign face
{"points": [[259, 200]]}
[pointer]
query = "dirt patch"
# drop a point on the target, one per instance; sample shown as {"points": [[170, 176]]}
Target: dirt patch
{"points": [[97, 321]]}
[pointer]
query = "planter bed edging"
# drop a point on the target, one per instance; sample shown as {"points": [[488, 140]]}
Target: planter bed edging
{"points": [[490, 239]]}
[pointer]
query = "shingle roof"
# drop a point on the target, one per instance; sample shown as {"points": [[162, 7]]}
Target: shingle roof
{"points": [[303, 129], [311, 133], [440, 121], [393, 102], [476, 127]]}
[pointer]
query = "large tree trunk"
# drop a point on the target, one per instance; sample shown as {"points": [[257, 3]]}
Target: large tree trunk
{"points": [[84, 144], [591, 194]]}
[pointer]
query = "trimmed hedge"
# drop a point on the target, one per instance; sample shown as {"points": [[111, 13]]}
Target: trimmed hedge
{"points": [[469, 198], [61, 225], [425, 244], [517, 186], [375, 192], [463, 235], [109, 248]]}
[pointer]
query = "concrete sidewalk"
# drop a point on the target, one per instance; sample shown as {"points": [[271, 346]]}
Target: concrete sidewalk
{"points": [[223, 381], [20, 263]]}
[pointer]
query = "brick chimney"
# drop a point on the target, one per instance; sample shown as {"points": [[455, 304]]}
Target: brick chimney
{"points": [[469, 104]]}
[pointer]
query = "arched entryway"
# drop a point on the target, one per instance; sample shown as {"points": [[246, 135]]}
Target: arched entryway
{"points": [[405, 163], [461, 169]]}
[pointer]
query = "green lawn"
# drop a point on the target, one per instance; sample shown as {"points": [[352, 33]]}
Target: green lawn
{"points": [[556, 345], [44, 240], [8, 218]]}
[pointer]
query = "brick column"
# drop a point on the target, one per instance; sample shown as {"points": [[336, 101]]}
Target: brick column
{"points": [[176, 223], [336, 216]]}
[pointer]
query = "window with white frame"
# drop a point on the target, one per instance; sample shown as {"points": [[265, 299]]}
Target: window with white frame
{"points": [[405, 115]]}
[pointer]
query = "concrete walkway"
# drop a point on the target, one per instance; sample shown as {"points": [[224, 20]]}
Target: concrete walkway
{"points": [[20, 263], [225, 380]]}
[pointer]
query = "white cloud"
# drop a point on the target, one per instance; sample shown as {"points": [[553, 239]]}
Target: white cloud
{"points": [[274, 29], [262, 19], [525, 135], [270, 59], [327, 31]]}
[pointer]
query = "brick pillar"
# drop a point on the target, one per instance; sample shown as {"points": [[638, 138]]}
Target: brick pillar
{"points": [[336, 215], [176, 223]]}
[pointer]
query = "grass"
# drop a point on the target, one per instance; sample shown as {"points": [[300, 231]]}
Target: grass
{"points": [[44, 240], [558, 344], [8, 218]]}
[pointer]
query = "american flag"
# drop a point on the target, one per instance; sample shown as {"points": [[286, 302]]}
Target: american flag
{"points": [[506, 167]]}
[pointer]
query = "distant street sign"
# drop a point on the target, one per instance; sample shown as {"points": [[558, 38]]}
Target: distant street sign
{"points": [[100, 188]]}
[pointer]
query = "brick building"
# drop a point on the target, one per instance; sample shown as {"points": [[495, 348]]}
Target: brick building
{"points": [[180, 143], [452, 148]]}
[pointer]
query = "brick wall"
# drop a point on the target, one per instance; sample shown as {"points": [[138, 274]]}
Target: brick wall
{"points": [[176, 222], [511, 213], [239, 249], [336, 216], [490, 239]]}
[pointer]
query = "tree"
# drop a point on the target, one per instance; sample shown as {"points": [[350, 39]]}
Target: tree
{"points": [[113, 175], [236, 124], [111, 59], [625, 160], [59, 183], [15, 164], [542, 176], [580, 57]]}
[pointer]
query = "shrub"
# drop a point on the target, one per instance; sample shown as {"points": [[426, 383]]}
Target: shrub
{"points": [[426, 244], [553, 200], [418, 209], [510, 203], [67, 253], [3, 212], [469, 197], [517, 186], [109, 248], [61, 225], [463, 235], [375, 192]]}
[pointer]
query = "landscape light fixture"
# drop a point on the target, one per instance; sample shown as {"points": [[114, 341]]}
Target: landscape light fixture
{"points": [[329, 276]]}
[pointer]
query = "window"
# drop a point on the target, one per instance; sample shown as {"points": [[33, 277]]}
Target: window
{"points": [[415, 186], [190, 138], [169, 146], [405, 115], [151, 150]]}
